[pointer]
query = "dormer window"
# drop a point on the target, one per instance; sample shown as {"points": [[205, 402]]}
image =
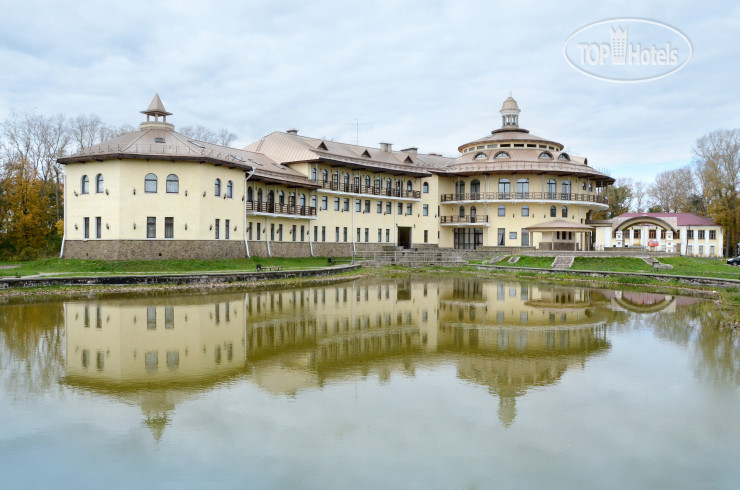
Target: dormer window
{"points": [[480, 156], [502, 154], [546, 155], [564, 156]]}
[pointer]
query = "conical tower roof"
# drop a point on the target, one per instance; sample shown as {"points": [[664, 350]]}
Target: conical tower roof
{"points": [[156, 108]]}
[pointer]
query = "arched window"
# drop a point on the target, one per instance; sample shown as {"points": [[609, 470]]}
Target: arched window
{"points": [[217, 188], [173, 184], [553, 212], [461, 211], [271, 196], [314, 171], [566, 189], [565, 211], [150, 183], [325, 175], [303, 199], [504, 187], [460, 187], [475, 188], [502, 210], [250, 194], [368, 181], [281, 197], [291, 199], [378, 182], [502, 154], [525, 210], [357, 183], [99, 185], [335, 177], [84, 185], [546, 155], [388, 184], [480, 156], [563, 156], [552, 188], [522, 188], [473, 211], [259, 195], [425, 188], [409, 186], [229, 189], [345, 179]]}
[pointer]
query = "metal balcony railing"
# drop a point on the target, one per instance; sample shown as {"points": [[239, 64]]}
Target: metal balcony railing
{"points": [[277, 208], [372, 190], [506, 196], [477, 218]]}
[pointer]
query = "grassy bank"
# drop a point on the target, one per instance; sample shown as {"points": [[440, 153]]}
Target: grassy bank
{"points": [[99, 267]]}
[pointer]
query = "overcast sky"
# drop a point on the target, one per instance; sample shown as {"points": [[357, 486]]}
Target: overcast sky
{"points": [[418, 73]]}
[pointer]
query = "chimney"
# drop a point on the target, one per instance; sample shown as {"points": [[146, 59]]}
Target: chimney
{"points": [[411, 151], [293, 132], [386, 146]]}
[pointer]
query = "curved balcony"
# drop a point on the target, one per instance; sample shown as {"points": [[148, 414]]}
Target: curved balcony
{"points": [[287, 210], [370, 190], [523, 196], [468, 220]]}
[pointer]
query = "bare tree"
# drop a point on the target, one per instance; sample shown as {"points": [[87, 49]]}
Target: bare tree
{"points": [[639, 196], [224, 137], [673, 189]]}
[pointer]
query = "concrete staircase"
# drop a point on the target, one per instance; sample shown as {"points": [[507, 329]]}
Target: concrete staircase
{"points": [[656, 264], [562, 262]]}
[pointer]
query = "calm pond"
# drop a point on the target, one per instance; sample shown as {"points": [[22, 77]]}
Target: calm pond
{"points": [[420, 382]]}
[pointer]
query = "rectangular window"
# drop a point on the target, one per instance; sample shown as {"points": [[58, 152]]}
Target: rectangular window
{"points": [[218, 229], [280, 233], [345, 233], [388, 208], [652, 234], [512, 235], [86, 228], [501, 237], [98, 228], [711, 250], [662, 234], [358, 234], [690, 250], [259, 231], [690, 234], [316, 233], [380, 207], [358, 205], [367, 206], [701, 234], [227, 229], [425, 210], [169, 227], [250, 230], [701, 250], [367, 235], [169, 317], [323, 233], [409, 209], [400, 208], [303, 233], [712, 234], [324, 202], [151, 318], [151, 227], [380, 235], [346, 204], [293, 229], [336, 204], [525, 238], [98, 317], [426, 236], [272, 232], [525, 210], [337, 235], [387, 235]]}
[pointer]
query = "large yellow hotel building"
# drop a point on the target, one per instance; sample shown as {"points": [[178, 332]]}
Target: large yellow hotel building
{"points": [[155, 193]]}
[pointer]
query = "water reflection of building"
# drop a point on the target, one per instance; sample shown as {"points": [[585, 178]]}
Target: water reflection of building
{"points": [[508, 337], [154, 350]]}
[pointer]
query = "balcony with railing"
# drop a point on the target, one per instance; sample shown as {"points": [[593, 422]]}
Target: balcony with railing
{"points": [[524, 196], [473, 219], [370, 190], [291, 210]]}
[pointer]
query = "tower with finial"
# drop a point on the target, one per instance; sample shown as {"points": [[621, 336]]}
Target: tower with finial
{"points": [[156, 110], [510, 113]]}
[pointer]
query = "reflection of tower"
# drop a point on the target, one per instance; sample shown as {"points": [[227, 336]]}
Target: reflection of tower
{"points": [[506, 409], [156, 409], [619, 45]]}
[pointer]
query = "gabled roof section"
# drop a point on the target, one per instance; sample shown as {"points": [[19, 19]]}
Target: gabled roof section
{"points": [[322, 146], [366, 154]]}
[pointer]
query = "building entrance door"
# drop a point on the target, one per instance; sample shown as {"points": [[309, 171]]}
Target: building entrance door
{"points": [[404, 236]]}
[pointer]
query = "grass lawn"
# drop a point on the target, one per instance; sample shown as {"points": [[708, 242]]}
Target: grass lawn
{"points": [[694, 266], [95, 267], [611, 264], [526, 261]]}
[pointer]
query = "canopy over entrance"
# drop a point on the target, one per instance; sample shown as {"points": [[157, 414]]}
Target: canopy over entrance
{"points": [[639, 220], [560, 234]]}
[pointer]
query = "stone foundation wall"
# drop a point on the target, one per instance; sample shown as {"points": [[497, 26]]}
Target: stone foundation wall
{"points": [[290, 249], [258, 249], [153, 249], [326, 249]]}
